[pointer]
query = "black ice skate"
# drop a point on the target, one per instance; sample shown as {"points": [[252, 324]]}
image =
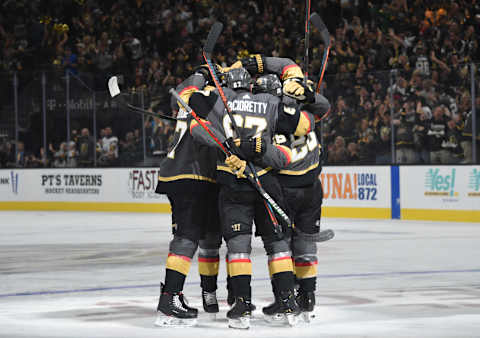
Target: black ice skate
{"points": [[210, 303], [240, 313], [283, 310], [306, 302], [184, 302], [172, 311]]}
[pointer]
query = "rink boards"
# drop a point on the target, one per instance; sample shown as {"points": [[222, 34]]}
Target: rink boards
{"points": [[441, 193]]}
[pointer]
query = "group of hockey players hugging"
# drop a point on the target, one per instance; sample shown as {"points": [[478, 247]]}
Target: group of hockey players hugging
{"points": [[274, 112]]}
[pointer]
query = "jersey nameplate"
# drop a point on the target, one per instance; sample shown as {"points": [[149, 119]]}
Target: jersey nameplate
{"points": [[248, 106]]}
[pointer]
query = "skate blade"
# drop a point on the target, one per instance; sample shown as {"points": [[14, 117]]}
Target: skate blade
{"points": [[292, 319], [211, 316], [278, 318], [308, 316], [240, 323], [170, 321]]}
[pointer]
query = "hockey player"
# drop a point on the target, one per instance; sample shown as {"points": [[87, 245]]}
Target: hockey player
{"points": [[257, 117], [303, 194], [188, 171]]}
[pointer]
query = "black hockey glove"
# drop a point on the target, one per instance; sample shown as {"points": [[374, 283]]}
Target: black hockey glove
{"points": [[254, 64], [253, 148], [249, 149], [205, 72]]}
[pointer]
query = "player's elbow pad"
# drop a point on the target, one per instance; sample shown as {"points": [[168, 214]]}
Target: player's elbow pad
{"points": [[320, 107], [202, 104], [306, 123]]}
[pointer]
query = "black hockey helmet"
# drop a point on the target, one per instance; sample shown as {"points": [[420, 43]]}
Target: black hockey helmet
{"points": [[238, 78], [269, 83]]}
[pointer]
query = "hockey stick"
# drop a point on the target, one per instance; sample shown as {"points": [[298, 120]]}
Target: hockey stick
{"points": [[322, 236], [320, 26], [228, 153], [268, 200], [120, 99], [307, 39]]}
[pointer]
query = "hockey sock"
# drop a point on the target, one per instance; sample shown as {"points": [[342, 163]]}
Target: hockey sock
{"points": [[208, 283], [174, 281], [177, 268], [280, 262], [306, 267], [208, 265], [240, 271], [308, 284], [241, 286], [283, 281]]}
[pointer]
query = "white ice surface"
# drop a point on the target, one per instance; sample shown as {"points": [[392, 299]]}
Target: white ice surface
{"points": [[97, 275]]}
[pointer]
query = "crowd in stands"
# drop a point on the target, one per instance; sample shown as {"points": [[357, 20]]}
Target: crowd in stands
{"points": [[400, 63]]}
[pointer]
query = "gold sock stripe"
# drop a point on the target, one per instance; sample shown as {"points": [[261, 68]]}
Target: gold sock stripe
{"points": [[238, 267], [208, 266], [306, 269], [178, 263], [281, 264]]}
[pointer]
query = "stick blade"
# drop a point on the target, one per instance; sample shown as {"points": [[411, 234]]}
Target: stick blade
{"points": [[113, 86], [213, 37], [317, 21]]}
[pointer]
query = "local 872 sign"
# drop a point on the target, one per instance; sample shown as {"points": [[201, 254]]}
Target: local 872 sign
{"points": [[352, 186]]}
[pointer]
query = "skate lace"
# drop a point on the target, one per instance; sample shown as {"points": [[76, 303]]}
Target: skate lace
{"points": [[210, 298], [177, 303]]}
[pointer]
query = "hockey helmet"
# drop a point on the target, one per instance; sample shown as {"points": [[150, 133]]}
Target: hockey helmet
{"points": [[238, 78], [269, 83]]}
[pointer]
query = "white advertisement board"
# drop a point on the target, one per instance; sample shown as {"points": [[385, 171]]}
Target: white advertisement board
{"points": [[440, 187], [80, 185], [356, 186]]}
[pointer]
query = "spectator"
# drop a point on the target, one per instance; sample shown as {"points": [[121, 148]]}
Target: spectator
{"points": [[21, 156], [69, 61], [72, 155], [436, 136], [338, 153], [128, 151], [404, 143], [59, 156], [86, 146], [352, 153], [109, 150], [383, 146], [452, 143]]}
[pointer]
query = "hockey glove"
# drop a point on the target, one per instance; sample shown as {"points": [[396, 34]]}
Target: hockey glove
{"points": [[294, 88], [237, 165], [205, 72], [253, 148], [253, 64]]}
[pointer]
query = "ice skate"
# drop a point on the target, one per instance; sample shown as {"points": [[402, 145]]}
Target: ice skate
{"points": [[240, 314], [306, 302], [284, 310], [172, 311], [210, 303]]}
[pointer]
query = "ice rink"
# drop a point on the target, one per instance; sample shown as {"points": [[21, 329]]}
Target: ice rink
{"points": [[97, 275]]}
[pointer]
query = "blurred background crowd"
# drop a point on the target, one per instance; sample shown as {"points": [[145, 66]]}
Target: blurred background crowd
{"points": [[401, 68]]}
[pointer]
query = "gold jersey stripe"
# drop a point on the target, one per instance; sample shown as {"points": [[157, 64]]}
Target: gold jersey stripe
{"points": [[298, 172], [228, 170], [185, 176]]}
